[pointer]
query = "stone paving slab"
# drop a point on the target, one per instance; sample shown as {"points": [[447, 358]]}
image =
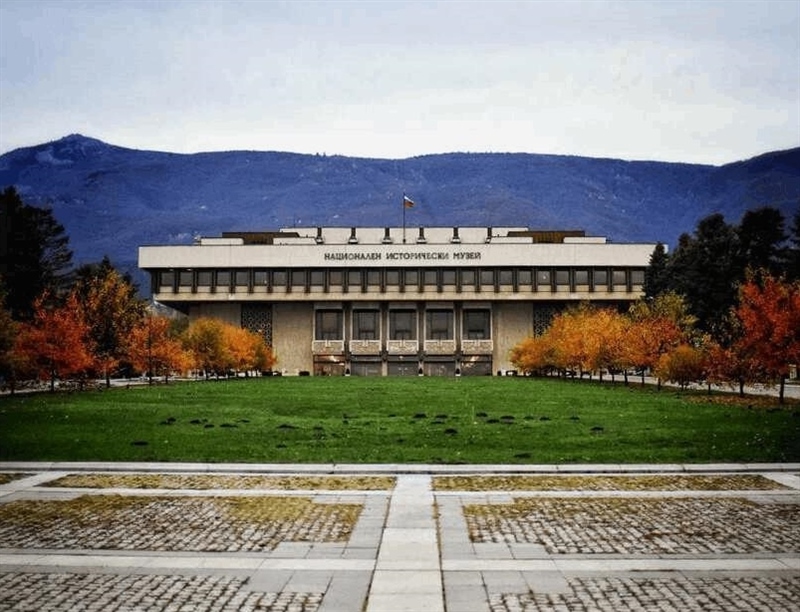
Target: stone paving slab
{"points": [[225, 538]]}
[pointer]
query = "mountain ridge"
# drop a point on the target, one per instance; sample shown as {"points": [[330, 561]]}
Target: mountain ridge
{"points": [[112, 199]]}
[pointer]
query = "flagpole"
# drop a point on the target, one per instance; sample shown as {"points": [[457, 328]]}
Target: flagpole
{"points": [[404, 218]]}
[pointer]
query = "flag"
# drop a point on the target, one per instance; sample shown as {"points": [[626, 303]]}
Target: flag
{"points": [[408, 202]]}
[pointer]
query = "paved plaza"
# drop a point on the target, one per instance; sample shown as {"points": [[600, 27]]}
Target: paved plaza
{"points": [[392, 538]]}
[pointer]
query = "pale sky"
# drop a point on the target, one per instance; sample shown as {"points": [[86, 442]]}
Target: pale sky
{"points": [[693, 81]]}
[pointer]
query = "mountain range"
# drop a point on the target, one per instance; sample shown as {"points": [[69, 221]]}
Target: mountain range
{"points": [[112, 199]]}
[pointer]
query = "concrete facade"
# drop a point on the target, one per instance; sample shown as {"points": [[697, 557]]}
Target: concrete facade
{"points": [[394, 301]]}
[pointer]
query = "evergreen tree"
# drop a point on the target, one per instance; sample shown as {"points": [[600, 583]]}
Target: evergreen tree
{"points": [[656, 276], [34, 253], [761, 241], [705, 269], [793, 252]]}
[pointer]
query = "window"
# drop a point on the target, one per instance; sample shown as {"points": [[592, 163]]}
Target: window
{"points": [[449, 277], [374, 278], [487, 278], [393, 277], [204, 278], [167, 279], [543, 278], [279, 278], [317, 278], [336, 277], [328, 325], [562, 277], [439, 325], [185, 278], [581, 277], [354, 278], [242, 278], [260, 278], [525, 277], [619, 278], [366, 325], [412, 277], [402, 325], [468, 277], [477, 324], [600, 277], [637, 277], [298, 278], [223, 279], [430, 277], [506, 277]]}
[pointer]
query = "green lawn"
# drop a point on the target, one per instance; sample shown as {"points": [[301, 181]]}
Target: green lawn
{"points": [[394, 420]]}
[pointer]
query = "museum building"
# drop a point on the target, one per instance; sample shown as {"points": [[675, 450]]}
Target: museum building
{"points": [[394, 301]]}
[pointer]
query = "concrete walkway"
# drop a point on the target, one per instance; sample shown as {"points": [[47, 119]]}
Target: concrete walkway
{"points": [[392, 538]]}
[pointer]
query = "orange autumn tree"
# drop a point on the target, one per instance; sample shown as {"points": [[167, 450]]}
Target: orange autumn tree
{"points": [[656, 327], [683, 365], [246, 350], [153, 349], [112, 310], [55, 344], [769, 313], [218, 347]]}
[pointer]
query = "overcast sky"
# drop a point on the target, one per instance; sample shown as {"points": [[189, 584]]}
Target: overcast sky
{"points": [[695, 81]]}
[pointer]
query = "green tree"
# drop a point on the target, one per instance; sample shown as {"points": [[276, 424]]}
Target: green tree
{"points": [[34, 253], [705, 269], [656, 276], [793, 251], [761, 241]]}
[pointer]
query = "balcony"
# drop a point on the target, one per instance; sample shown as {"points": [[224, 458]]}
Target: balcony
{"points": [[365, 347], [402, 347], [476, 347], [327, 347], [440, 347]]}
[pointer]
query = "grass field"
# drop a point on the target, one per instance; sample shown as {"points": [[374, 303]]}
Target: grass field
{"points": [[396, 420]]}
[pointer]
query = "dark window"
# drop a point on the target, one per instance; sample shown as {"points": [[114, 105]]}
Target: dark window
{"points": [[167, 279], [242, 278], [448, 277], [430, 277], [412, 277], [354, 278], [366, 325], [402, 325], [506, 277], [298, 278], [328, 325], [317, 278], [439, 325], [374, 278], [393, 277], [581, 277], [336, 277], [223, 279], [600, 277], [468, 277], [204, 278], [279, 278], [487, 278], [477, 324], [543, 278], [260, 278], [185, 278], [562, 277], [637, 277], [525, 277], [619, 278]]}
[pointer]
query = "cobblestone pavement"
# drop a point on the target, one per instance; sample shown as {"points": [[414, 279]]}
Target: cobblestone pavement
{"points": [[197, 538]]}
